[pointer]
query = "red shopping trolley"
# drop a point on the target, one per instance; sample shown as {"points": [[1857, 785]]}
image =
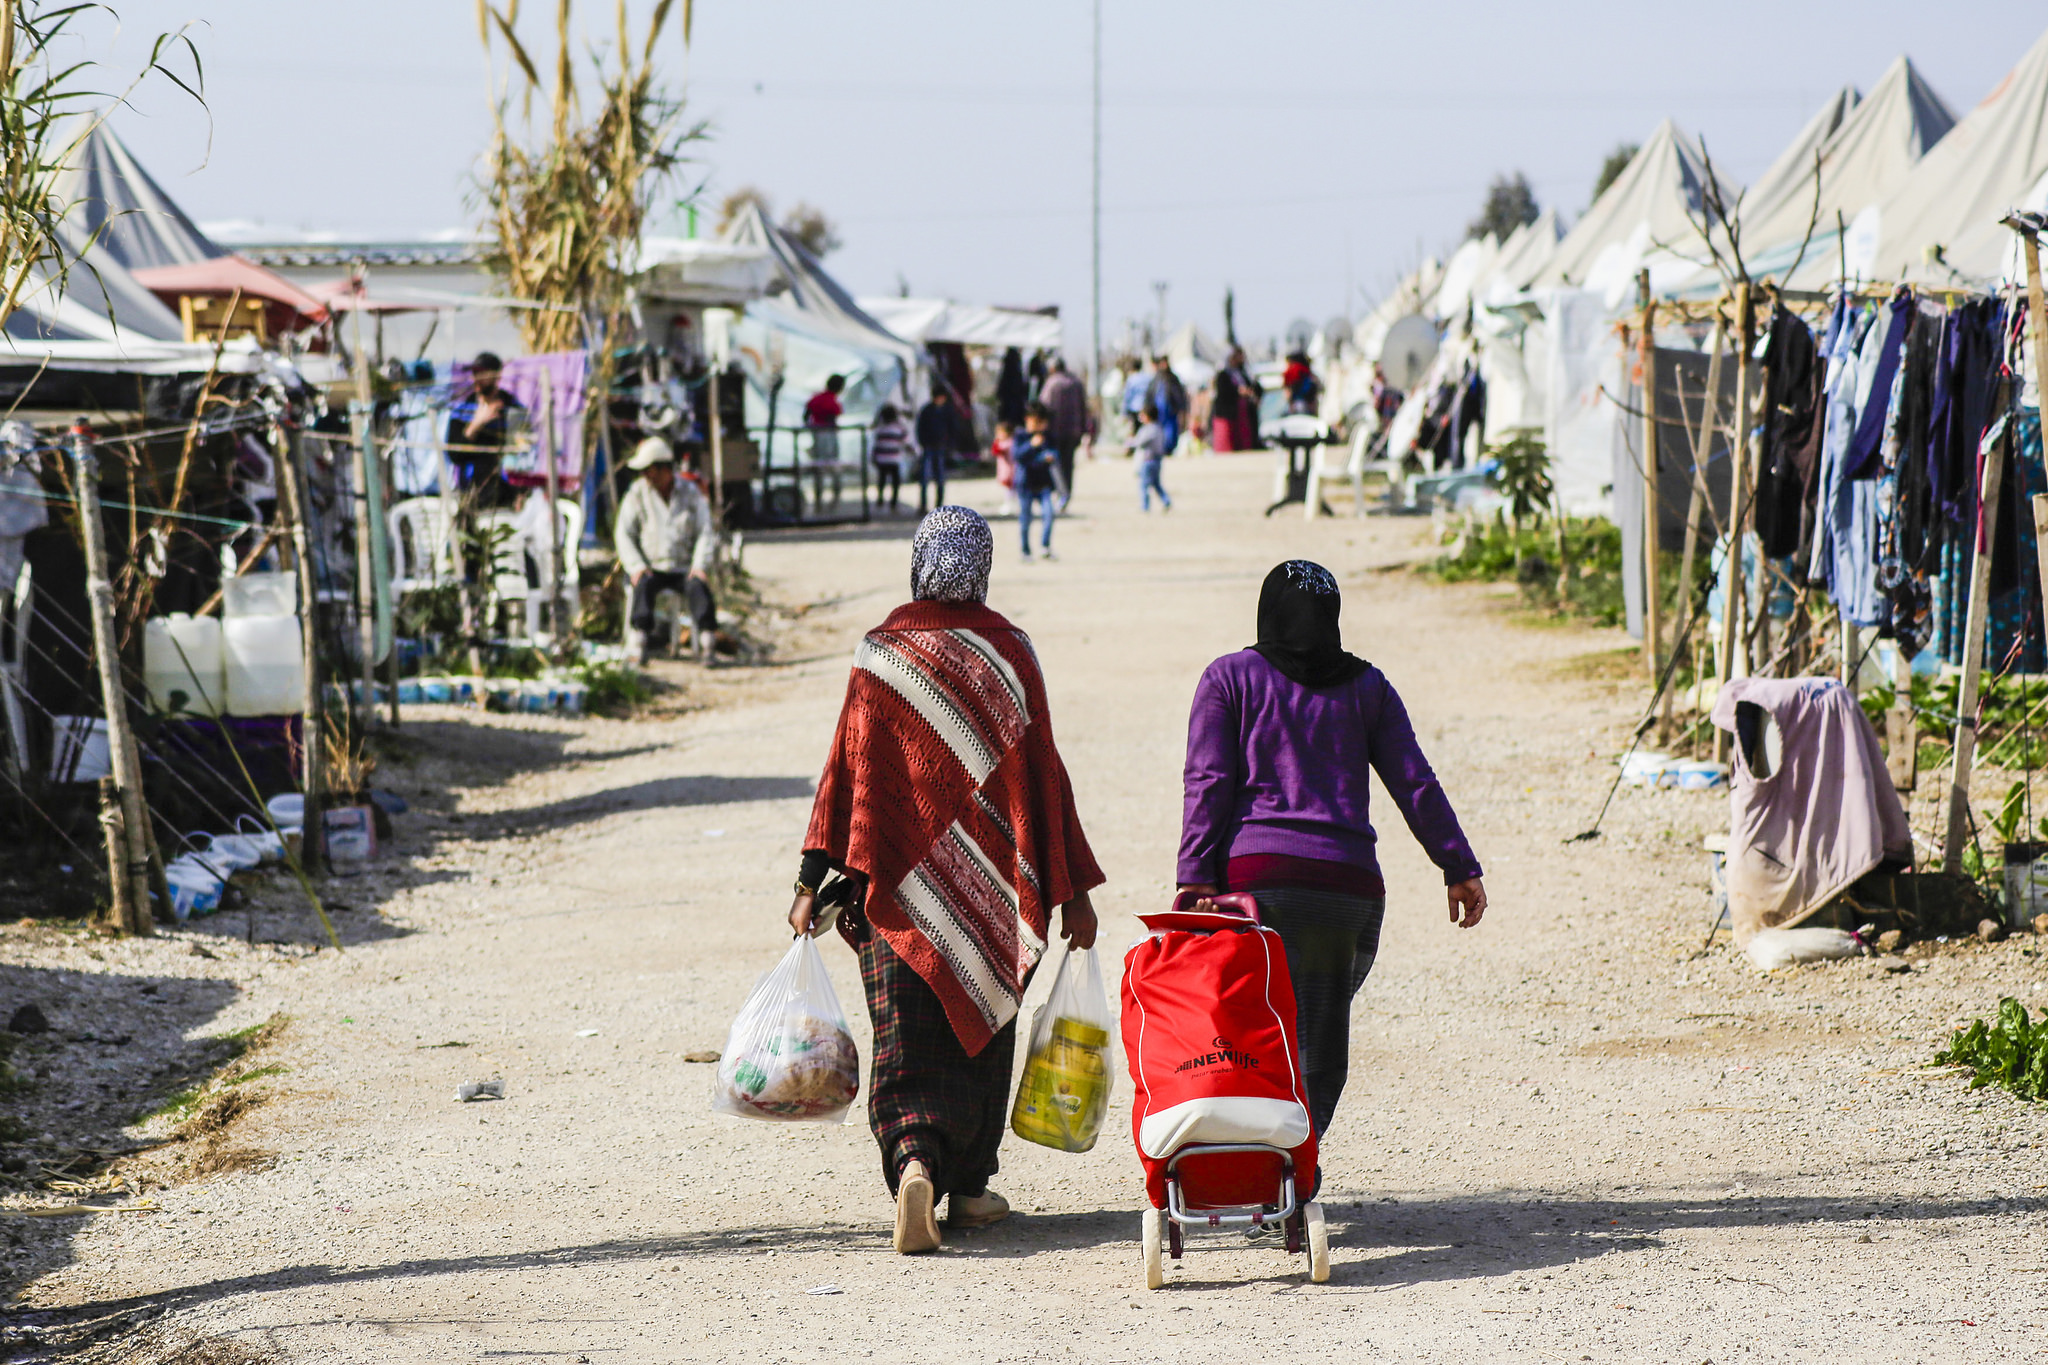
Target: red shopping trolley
{"points": [[1221, 1113]]}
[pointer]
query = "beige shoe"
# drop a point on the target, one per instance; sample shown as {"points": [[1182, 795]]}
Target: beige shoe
{"points": [[917, 1227], [977, 1210]]}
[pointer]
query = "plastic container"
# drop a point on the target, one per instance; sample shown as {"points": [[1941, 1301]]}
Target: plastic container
{"points": [[1699, 775], [195, 887], [351, 836], [1065, 1091], [287, 810], [265, 666], [259, 594], [184, 671]]}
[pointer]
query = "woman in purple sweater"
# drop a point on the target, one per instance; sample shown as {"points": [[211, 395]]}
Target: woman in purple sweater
{"points": [[1280, 742]]}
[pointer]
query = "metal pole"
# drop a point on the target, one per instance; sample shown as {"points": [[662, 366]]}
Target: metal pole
{"points": [[129, 874], [292, 483], [1095, 211]]}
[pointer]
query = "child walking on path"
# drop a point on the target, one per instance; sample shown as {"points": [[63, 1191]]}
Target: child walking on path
{"points": [[1037, 461], [889, 445], [1148, 448]]}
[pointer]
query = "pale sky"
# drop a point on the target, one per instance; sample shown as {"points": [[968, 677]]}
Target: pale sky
{"points": [[1290, 150]]}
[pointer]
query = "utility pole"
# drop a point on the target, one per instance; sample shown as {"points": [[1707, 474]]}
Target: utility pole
{"points": [[1095, 210], [124, 817]]}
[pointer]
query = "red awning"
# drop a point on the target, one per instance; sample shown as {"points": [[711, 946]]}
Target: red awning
{"points": [[225, 275]]}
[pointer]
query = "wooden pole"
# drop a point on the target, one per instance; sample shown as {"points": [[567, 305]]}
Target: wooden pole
{"points": [[1646, 352], [360, 414], [1973, 651], [1733, 589], [2037, 309], [127, 850], [292, 483]]}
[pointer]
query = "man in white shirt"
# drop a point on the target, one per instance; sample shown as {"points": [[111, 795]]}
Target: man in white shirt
{"points": [[665, 542]]}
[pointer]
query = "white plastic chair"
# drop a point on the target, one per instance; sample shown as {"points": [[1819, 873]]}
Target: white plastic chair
{"points": [[422, 545], [533, 523], [1322, 473]]}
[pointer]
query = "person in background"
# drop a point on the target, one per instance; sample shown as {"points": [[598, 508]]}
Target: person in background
{"points": [[1001, 449], [1148, 448], [479, 418], [1170, 397], [889, 445], [1234, 421], [1066, 399], [1038, 464], [939, 430], [1283, 739], [664, 541], [1304, 390], [821, 419], [944, 800], [1013, 389]]}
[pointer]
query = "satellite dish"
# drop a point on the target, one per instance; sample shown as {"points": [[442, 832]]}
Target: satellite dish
{"points": [[1409, 347]]}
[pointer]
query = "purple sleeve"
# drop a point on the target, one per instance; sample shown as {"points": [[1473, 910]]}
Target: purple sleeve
{"points": [[1412, 784], [1215, 768]]}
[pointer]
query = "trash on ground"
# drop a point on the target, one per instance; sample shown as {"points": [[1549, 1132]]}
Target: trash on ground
{"points": [[470, 1091], [703, 1055], [1771, 949]]}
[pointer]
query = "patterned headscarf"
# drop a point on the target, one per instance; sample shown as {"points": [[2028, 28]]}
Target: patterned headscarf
{"points": [[1298, 634], [950, 556]]}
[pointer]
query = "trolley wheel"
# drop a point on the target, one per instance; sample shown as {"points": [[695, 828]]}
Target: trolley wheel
{"points": [[1318, 1245], [1155, 1269]]}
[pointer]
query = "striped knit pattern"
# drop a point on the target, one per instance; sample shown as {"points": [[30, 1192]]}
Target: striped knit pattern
{"points": [[945, 793]]}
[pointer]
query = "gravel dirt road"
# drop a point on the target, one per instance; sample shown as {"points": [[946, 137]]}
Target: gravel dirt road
{"points": [[1565, 1137]]}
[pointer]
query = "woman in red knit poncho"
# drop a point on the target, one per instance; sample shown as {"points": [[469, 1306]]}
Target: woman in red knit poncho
{"points": [[945, 801]]}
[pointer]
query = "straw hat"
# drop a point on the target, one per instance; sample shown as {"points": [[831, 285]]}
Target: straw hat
{"points": [[652, 451]]}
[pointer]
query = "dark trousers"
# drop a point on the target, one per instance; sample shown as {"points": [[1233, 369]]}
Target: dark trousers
{"points": [[888, 479], [696, 596], [927, 1099], [931, 467], [1065, 450], [1331, 940]]}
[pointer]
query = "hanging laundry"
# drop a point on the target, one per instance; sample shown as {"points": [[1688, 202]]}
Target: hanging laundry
{"points": [[1882, 367], [1790, 441]]}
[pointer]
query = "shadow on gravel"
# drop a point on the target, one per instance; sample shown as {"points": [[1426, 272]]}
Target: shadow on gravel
{"points": [[660, 793], [1379, 1245]]}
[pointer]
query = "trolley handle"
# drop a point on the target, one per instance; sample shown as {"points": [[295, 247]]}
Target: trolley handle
{"points": [[1228, 902]]}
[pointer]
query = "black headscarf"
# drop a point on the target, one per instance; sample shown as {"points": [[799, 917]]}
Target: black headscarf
{"points": [[1298, 633]]}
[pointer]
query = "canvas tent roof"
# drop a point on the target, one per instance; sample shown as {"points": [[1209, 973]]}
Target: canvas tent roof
{"points": [[1994, 160], [821, 329], [1870, 154], [1525, 252], [142, 229], [1469, 264], [1647, 217], [693, 270], [968, 324]]}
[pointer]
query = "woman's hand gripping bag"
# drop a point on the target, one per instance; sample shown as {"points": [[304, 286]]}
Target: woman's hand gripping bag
{"points": [[1208, 1029], [789, 1057]]}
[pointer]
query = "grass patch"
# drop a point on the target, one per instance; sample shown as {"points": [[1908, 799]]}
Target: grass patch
{"points": [[2011, 1053], [1604, 665], [613, 688], [178, 1106], [258, 1074]]}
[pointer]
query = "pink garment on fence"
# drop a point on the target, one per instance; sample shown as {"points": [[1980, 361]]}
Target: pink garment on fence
{"points": [[1812, 809]]}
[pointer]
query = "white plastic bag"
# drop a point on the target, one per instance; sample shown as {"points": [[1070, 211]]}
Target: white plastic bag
{"points": [[1064, 1094], [789, 1057], [1770, 949]]}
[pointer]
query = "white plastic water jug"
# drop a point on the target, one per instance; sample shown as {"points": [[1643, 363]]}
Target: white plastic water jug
{"points": [[183, 670], [265, 665], [259, 594]]}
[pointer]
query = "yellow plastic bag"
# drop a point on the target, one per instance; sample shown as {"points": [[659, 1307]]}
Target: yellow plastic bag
{"points": [[1065, 1091]]}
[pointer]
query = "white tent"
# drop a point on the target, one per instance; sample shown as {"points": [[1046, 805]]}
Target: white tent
{"points": [[1526, 251], [968, 324], [1940, 225], [1469, 264], [1649, 217], [811, 329], [1870, 154]]}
